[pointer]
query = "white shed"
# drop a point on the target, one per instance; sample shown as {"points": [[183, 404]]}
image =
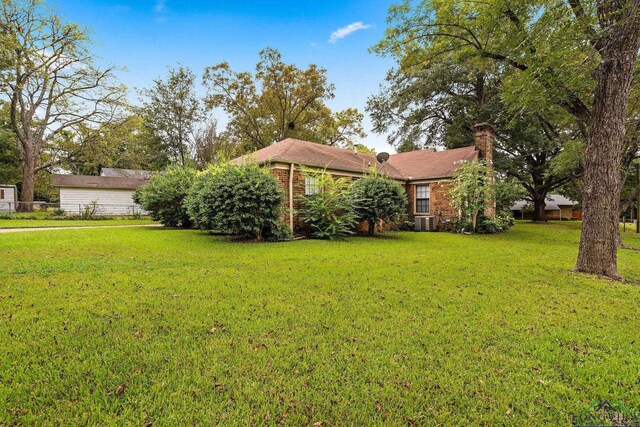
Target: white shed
{"points": [[108, 195], [8, 198]]}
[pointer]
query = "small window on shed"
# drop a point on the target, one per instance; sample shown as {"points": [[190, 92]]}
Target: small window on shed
{"points": [[311, 185], [1, 193]]}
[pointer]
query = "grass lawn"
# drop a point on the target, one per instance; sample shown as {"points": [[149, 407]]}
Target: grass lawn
{"points": [[43, 223], [174, 327]]}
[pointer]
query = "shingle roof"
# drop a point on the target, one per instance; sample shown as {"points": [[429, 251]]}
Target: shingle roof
{"points": [[553, 203], [86, 181], [125, 173], [422, 164], [431, 164], [307, 153]]}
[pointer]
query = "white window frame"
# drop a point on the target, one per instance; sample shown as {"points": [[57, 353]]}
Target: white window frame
{"points": [[428, 198], [311, 185]]}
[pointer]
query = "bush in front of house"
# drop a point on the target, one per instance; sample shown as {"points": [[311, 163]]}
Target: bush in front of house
{"points": [[330, 213], [163, 196], [379, 200], [498, 224], [240, 200]]}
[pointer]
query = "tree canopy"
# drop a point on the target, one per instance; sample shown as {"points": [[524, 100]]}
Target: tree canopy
{"points": [[279, 101]]}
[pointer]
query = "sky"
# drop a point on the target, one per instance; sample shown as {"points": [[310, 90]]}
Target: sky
{"points": [[147, 36]]}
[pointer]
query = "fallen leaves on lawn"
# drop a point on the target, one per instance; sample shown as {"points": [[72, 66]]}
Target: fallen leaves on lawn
{"points": [[120, 389]]}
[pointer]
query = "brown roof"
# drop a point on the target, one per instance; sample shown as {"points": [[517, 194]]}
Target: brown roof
{"points": [[324, 156], [430, 164], [422, 164], [86, 181], [125, 173]]}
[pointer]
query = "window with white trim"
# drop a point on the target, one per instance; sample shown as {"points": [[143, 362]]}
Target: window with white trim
{"points": [[422, 198], [311, 185]]}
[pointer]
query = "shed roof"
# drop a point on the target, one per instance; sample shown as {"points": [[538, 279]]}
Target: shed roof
{"points": [[87, 181], [125, 173]]}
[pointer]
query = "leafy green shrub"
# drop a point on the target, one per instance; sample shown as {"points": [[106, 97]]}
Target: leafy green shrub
{"points": [[240, 200], [500, 223], [331, 213], [163, 196], [472, 190], [278, 232], [379, 199]]}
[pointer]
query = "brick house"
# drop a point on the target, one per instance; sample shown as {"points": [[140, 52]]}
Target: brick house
{"points": [[423, 173]]}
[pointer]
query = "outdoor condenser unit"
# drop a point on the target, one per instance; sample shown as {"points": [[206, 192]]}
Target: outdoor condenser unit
{"points": [[425, 223]]}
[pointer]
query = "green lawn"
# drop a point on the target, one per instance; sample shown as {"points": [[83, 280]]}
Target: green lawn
{"points": [[43, 223], [173, 327]]}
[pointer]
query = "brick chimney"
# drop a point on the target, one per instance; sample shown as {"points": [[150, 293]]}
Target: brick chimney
{"points": [[484, 141], [484, 144]]}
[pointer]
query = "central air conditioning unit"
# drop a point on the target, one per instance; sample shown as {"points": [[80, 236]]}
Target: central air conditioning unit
{"points": [[425, 223]]}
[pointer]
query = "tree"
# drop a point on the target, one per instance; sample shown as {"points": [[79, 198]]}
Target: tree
{"points": [[126, 143], [437, 103], [9, 159], [472, 189], [172, 110], [163, 196], [379, 199], [279, 101], [211, 146], [578, 55], [51, 83]]}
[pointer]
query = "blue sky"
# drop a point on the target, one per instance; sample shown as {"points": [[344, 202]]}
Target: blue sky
{"points": [[147, 36]]}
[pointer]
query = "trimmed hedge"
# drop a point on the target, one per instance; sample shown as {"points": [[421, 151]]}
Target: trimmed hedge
{"points": [[379, 199], [163, 196], [240, 200]]}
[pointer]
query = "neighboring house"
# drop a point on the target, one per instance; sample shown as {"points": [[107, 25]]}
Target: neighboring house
{"points": [[423, 173], [112, 194], [8, 198], [557, 207]]}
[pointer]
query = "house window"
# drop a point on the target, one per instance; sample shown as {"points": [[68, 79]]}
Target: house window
{"points": [[1, 194], [422, 198], [311, 185]]}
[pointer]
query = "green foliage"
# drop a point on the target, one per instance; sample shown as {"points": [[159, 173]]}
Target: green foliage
{"points": [[201, 329], [163, 196], [279, 101], [507, 192], [498, 224], [127, 143], [472, 188], [172, 110], [54, 83], [240, 200], [331, 213], [379, 199], [10, 172]]}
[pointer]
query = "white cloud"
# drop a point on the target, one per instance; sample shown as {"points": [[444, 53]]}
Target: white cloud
{"points": [[160, 6], [343, 32], [160, 10]]}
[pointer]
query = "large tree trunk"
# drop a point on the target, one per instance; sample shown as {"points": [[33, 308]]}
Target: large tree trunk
{"points": [[539, 208], [28, 183], [603, 154]]}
